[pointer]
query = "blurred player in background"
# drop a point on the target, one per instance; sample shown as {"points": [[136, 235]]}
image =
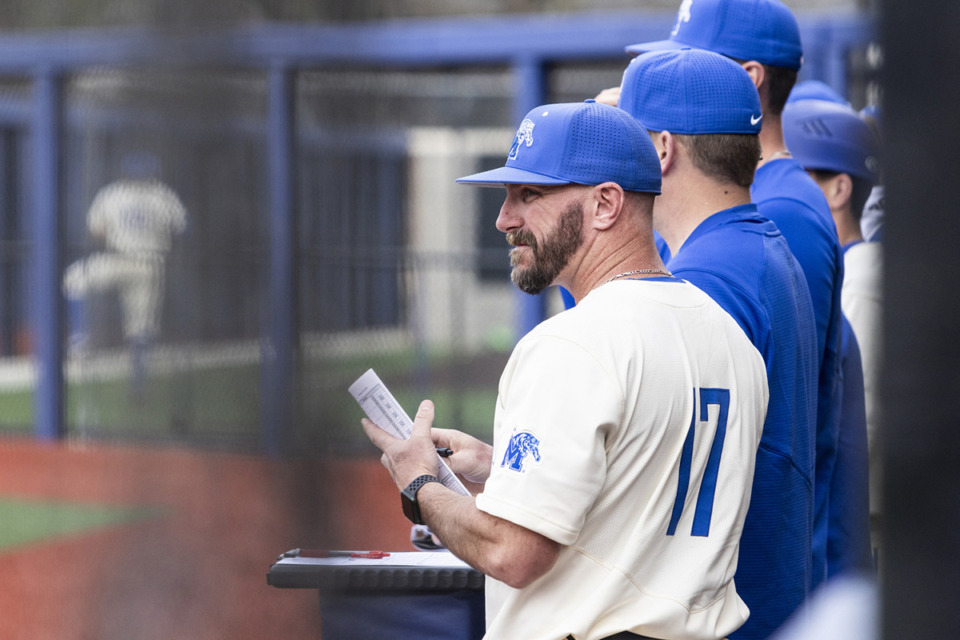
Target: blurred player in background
{"points": [[136, 218], [848, 540], [703, 112], [611, 502], [842, 153]]}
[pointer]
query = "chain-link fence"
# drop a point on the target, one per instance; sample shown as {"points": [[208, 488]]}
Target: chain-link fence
{"points": [[165, 258], [164, 299]]}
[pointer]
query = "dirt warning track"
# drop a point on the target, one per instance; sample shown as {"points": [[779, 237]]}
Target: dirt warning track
{"points": [[193, 563]]}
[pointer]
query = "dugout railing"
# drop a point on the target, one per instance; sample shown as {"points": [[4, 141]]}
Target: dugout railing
{"points": [[257, 137]]}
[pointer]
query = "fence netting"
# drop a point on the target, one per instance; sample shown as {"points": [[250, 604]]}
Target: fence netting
{"points": [[166, 222]]}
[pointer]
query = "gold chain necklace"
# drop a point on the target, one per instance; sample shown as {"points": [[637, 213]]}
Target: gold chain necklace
{"points": [[637, 272]]}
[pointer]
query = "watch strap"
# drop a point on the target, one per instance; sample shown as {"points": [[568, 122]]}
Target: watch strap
{"points": [[418, 482], [408, 497]]}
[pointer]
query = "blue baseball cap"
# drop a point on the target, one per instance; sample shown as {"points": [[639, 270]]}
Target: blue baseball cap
{"points": [[761, 30], [832, 137], [815, 90], [578, 143], [692, 92]]}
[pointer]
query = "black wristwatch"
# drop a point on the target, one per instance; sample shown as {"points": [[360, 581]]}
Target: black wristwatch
{"points": [[408, 498]]}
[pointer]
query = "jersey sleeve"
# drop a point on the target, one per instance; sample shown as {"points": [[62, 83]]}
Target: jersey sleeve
{"points": [[173, 210], [99, 211], [557, 410]]}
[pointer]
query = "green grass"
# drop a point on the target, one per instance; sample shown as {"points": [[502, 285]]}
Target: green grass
{"points": [[23, 522], [224, 402], [225, 398], [220, 400], [470, 411], [16, 409]]}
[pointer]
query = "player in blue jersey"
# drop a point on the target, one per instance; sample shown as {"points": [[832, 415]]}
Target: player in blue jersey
{"points": [[704, 112], [764, 37], [841, 152], [849, 549]]}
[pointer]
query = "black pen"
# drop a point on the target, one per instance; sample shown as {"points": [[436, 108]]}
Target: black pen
{"points": [[443, 452]]}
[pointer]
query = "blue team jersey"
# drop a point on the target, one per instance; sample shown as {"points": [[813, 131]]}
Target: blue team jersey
{"points": [[786, 194], [744, 263], [848, 543]]}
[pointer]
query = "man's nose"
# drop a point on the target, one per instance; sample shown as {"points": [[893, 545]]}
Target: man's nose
{"points": [[506, 220]]}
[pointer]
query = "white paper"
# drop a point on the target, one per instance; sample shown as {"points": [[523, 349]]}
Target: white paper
{"points": [[394, 559], [385, 412]]}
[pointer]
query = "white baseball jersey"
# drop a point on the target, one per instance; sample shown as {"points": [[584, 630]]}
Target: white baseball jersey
{"points": [[862, 301], [872, 220], [137, 216], [137, 219], [626, 429]]}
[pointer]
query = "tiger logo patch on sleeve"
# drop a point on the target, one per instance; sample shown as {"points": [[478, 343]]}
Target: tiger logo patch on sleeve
{"points": [[522, 445]]}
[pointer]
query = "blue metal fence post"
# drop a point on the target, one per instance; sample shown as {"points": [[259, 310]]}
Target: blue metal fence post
{"points": [[47, 262], [529, 91], [279, 336], [7, 172]]}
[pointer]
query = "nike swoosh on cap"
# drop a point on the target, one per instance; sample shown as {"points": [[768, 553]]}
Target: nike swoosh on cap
{"points": [[755, 119]]}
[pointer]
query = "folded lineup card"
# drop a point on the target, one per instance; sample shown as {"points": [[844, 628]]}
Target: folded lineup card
{"points": [[385, 412]]}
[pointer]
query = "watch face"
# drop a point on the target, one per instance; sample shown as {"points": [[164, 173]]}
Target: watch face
{"points": [[408, 498], [410, 508]]}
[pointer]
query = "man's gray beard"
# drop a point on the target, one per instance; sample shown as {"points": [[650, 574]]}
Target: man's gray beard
{"points": [[550, 258]]}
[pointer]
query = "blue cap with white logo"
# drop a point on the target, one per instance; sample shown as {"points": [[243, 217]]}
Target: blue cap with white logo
{"points": [[578, 143], [691, 92], [761, 30], [833, 137]]}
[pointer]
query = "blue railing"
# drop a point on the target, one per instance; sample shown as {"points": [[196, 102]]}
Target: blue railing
{"points": [[528, 44]]}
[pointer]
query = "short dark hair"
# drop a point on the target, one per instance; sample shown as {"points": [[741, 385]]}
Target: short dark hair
{"points": [[639, 201], [780, 81], [729, 157], [859, 194]]}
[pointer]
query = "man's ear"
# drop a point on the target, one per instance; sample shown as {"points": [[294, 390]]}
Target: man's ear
{"points": [[667, 148], [606, 204], [756, 72], [838, 190]]}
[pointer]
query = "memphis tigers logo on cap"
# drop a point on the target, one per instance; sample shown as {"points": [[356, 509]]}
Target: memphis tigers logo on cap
{"points": [[522, 445], [524, 136], [683, 15], [578, 143]]}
